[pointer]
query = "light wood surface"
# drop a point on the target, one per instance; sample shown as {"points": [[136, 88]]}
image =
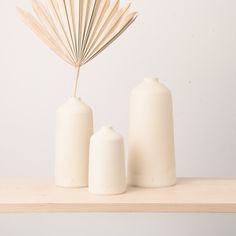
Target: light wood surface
{"points": [[189, 195]]}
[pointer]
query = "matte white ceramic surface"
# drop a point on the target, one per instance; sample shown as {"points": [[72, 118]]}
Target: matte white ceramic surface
{"points": [[107, 163], [151, 136], [73, 132]]}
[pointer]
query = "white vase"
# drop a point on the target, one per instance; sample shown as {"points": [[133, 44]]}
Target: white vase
{"points": [[151, 160], [107, 163], [74, 127]]}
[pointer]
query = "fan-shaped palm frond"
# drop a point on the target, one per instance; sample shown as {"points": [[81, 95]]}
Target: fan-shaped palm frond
{"points": [[78, 30]]}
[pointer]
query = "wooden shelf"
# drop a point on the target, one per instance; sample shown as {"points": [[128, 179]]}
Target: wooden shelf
{"points": [[189, 195]]}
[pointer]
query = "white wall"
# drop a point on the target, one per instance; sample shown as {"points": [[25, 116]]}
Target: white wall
{"points": [[190, 45]]}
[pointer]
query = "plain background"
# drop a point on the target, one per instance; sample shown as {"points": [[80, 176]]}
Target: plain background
{"points": [[190, 45]]}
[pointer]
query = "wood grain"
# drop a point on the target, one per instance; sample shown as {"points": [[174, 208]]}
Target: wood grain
{"points": [[189, 195]]}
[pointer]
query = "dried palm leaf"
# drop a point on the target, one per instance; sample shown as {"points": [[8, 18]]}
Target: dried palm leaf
{"points": [[78, 30]]}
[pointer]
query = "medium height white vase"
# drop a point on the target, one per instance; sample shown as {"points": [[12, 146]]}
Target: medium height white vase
{"points": [[74, 127], [107, 163], [151, 136]]}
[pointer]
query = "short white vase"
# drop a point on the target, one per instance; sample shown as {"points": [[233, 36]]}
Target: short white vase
{"points": [[151, 161], [74, 127], [107, 163]]}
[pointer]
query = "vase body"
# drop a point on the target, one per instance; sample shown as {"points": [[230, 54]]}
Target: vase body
{"points": [[107, 163], [74, 127], [151, 161]]}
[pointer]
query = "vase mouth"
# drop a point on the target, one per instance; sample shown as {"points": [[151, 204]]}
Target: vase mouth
{"points": [[150, 79], [74, 98], [107, 127]]}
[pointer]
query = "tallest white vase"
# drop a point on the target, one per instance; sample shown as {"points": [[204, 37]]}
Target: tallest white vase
{"points": [[151, 136], [73, 131]]}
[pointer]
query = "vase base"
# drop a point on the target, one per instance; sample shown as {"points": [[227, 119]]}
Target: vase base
{"points": [[150, 182]]}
